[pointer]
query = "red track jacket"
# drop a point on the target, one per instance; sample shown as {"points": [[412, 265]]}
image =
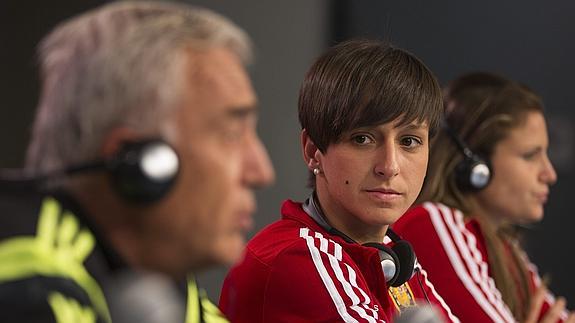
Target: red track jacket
{"points": [[295, 271]]}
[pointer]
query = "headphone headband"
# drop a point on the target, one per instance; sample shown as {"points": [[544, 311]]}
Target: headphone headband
{"points": [[473, 173], [457, 140]]}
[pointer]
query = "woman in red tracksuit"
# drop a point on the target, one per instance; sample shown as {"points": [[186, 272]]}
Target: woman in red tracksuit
{"points": [[488, 172], [367, 110]]}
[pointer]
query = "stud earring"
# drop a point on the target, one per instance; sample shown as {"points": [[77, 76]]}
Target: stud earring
{"points": [[316, 171]]}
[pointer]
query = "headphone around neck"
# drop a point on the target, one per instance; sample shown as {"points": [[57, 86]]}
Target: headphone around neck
{"points": [[473, 173], [397, 262], [142, 172]]}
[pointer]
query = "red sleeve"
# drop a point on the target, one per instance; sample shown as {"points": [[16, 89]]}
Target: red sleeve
{"points": [[425, 291], [535, 284], [450, 255], [243, 290], [316, 281]]}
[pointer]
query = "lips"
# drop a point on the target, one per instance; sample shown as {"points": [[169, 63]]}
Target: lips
{"points": [[542, 197], [384, 194], [245, 213], [383, 190], [245, 219]]}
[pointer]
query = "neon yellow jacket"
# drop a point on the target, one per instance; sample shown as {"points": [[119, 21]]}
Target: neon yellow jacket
{"points": [[51, 264]]}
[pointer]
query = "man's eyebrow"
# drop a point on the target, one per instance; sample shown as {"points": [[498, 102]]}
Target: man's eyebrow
{"points": [[242, 111]]}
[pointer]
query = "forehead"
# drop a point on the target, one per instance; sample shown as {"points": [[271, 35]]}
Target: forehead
{"points": [[218, 78], [401, 124], [216, 85], [532, 131]]}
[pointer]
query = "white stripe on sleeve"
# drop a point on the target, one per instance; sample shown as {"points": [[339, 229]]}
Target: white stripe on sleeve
{"points": [[473, 261], [335, 265], [366, 299], [458, 265], [446, 307], [325, 277], [348, 286]]}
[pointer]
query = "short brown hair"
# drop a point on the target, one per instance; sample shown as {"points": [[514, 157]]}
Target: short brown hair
{"points": [[362, 83]]}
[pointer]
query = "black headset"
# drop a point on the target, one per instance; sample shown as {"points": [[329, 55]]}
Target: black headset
{"points": [[397, 262], [142, 172], [473, 173]]}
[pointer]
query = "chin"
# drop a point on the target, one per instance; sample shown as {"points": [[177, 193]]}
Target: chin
{"points": [[389, 217], [534, 216], [231, 251], [538, 217]]}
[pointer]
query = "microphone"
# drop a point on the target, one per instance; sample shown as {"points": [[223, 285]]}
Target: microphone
{"points": [[419, 314], [144, 297]]}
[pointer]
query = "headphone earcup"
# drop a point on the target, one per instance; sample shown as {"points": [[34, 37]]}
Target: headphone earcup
{"points": [[407, 260], [473, 174], [389, 261], [144, 171], [398, 263]]}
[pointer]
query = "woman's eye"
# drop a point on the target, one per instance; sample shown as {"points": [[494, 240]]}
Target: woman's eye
{"points": [[410, 142], [530, 155], [362, 139]]}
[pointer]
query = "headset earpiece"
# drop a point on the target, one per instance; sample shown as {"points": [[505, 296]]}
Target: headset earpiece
{"points": [[390, 263], [407, 260], [397, 262], [144, 171], [140, 171], [473, 173]]}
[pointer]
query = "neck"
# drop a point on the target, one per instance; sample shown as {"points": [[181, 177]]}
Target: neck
{"points": [[112, 217], [491, 217], [349, 224], [139, 234]]}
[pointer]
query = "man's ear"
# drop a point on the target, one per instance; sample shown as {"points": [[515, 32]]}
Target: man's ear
{"points": [[114, 140], [311, 154]]}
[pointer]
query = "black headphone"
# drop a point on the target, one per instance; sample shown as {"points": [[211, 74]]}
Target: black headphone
{"points": [[397, 262], [142, 172], [473, 173]]}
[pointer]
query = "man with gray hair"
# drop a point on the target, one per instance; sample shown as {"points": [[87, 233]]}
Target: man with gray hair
{"points": [[144, 155]]}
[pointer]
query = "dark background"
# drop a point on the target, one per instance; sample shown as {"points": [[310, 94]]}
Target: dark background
{"points": [[21, 28], [530, 41]]}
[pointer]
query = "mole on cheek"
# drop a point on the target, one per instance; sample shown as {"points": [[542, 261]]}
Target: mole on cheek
{"points": [[347, 182]]}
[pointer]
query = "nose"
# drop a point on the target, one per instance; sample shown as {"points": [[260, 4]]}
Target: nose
{"points": [[258, 169], [387, 165], [548, 174]]}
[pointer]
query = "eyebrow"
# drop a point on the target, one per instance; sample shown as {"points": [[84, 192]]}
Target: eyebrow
{"points": [[414, 126], [536, 149], [241, 112]]}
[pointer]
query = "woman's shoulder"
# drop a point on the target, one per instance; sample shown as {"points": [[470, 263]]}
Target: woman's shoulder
{"points": [[431, 221], [425, 212], [433, 211]]}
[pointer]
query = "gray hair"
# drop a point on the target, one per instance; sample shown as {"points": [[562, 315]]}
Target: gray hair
{"points": [[123, 64]]}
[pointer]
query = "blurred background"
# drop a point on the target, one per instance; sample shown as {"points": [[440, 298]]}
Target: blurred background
{"points": [[529, 41]]}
